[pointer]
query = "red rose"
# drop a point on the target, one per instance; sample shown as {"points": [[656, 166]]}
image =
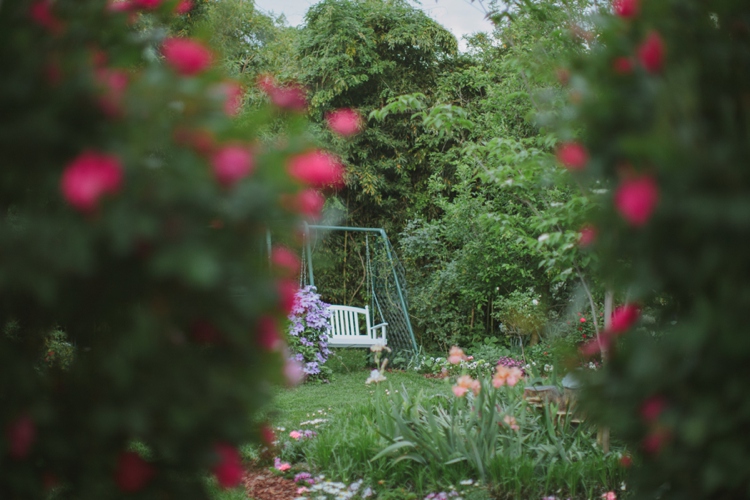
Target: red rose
{"points": [[636, 198], [652, 408], [188, 57], [146, 4], [204, 333], [287, 290], [132, 473], [88, 177], [654, 442], [267, 436], [572, 155], [21, 434], [622, 65], [624, 317], [232, 163], [41, 14], [651, 53], [316, 168], [228, 470], [626, 8]]}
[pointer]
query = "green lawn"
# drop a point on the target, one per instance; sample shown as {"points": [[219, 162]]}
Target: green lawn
{"points": [[344, 392]]}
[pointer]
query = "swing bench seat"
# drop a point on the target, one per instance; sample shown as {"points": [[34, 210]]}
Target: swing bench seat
{"points": [[347, 329]]}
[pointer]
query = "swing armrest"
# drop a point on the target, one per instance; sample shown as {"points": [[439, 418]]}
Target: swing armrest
{"points": [[381, 328]]}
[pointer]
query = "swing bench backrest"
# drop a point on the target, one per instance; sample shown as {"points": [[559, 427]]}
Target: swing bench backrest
{"points": [[351, 327]]}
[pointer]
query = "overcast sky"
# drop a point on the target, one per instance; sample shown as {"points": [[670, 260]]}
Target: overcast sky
{"points": [[461, 17]]}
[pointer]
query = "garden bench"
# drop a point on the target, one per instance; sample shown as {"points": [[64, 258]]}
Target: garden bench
{"points": [[348, 328]]}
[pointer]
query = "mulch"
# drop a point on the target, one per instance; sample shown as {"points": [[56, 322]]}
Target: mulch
{"points": [[262, 484]]}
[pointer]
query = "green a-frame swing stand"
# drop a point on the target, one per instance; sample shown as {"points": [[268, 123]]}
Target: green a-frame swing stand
{"points": [[388, 301]]}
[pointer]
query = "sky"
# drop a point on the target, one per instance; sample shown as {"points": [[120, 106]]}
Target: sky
{"points": [[461, 17]]}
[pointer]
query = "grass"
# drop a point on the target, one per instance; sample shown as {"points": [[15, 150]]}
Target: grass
{"points": [[362, 420], [343, 394]]}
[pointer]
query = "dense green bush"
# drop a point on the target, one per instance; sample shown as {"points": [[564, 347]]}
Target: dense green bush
{"points": [[133, 213], [661, 100]]}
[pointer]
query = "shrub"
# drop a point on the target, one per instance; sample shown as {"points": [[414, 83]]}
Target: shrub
{"points": [[662, 101], [133, 213]]}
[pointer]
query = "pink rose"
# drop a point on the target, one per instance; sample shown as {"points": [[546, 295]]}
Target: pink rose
{"points": [[295, 435], [651, 53], [345, 122], [88, 177], [285, 260], [232, 98], [188, 57], [268, 335], [587, 236], [183, 7], [572, 155], [316, 168], [232, 163], [636, 198], [309, 202]]}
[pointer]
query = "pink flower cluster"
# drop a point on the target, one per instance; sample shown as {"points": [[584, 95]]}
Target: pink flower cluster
{"points": [[466, 383], [506, 376], [456, 355]]}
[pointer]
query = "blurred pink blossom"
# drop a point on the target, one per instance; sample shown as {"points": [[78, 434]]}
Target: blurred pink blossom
{"points": [[188, 57], [345, 122], [88, 177]]}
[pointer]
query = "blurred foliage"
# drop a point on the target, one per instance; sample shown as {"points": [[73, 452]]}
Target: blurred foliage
{"points": [[679, 116], [160, 285]]}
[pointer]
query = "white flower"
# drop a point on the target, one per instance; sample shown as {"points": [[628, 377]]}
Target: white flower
{"points": [[467, 482], [535, 302], [542, 238], [375, 376]]}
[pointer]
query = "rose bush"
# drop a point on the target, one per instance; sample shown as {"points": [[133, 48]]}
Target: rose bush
{"points": [[133, 213]]}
